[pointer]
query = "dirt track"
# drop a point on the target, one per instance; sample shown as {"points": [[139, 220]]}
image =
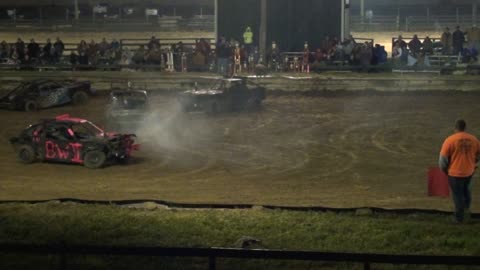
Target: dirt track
{"points": [[337, 151]]}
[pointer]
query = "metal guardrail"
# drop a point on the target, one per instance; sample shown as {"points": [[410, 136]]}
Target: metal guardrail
{"points": [[367, 259]]}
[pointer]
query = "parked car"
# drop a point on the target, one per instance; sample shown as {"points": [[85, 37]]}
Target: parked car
{"points": [[224, 95], [72, 140], [41, 94], [126, 109]]}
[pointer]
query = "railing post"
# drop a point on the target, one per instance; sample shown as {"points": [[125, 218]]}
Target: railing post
{"points": [[63, 261], [366, 266], [212, 265]]}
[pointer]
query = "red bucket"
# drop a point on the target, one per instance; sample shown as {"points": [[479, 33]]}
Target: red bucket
{"points": [[438, 183]]}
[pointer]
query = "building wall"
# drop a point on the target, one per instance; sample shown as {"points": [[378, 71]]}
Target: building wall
{"points": [[290, 22]]}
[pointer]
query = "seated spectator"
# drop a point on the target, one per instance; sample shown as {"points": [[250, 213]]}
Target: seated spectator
{"points": [[398, 54], [115, 44], [73, 58], [415, 46], [139, 57], [427, 46], [154, 56], [154, 43], [126, 57], [469, 55], [379, 55]]}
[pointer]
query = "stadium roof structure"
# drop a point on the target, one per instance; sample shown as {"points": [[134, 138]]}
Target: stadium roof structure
{"points": [[44, 3]]}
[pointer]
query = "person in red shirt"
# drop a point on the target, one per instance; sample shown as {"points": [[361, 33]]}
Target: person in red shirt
{"points": [[458, 157]]}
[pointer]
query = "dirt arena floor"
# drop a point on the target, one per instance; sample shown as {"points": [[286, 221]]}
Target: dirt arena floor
{"points": [[346, 151]]}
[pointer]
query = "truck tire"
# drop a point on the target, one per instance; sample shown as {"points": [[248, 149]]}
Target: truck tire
{"points": [[94, 159], [26, 154], [79, 97], [31, 106]]}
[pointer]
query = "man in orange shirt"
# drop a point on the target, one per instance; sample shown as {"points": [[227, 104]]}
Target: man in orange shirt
{"points": [[458, 157]]}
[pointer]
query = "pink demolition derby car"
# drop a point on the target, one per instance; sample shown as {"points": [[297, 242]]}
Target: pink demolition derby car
{"points": [[72, 140]]}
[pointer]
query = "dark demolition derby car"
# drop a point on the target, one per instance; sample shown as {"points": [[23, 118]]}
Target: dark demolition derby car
{"points": [[41, 94], [72, 140], [126, 109], [224, 95]]}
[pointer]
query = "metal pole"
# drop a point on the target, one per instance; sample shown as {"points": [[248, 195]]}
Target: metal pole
{"points": [[212, 265], [458, 16], [215, 25], [263, 29], [342, 17], [398, 19], [474, 12], [362, 11], [428, 15], [77, 11], [347, 21]]}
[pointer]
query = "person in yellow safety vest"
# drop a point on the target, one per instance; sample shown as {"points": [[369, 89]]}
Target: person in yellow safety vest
{"points": [[248, 39]]}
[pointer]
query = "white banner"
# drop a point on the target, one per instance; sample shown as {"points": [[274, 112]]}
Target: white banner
{"points": [[151, 12], [99, 9]]}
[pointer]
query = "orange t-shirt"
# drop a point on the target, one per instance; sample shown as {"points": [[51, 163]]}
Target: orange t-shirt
{"points": [[462, 150]]}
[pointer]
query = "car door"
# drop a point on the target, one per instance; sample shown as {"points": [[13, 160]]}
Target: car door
{"points": [[51, 94], [61, 145]]}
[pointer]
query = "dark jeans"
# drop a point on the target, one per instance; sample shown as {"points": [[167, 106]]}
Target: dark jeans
{"points": [[461, 193]]}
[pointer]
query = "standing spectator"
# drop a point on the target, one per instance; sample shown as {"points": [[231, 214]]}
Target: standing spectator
{"points": [[473, 36], [401, 43], [47, 52], [415, 46], [202, 51], [458, 157], [92, 52], [59, 47], [325, 46], [223, 56], [82, 53], [458, 41], [248, 39], [178, 53], [273, 57], [33, 50], [447, 42], [19, 49], [103, 47], [348, 46], [427, 46], [4, 50]]}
